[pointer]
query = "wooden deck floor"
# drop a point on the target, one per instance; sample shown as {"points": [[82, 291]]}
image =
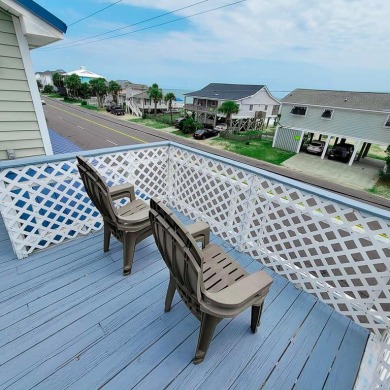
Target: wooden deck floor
{"points": [[68, 318]]}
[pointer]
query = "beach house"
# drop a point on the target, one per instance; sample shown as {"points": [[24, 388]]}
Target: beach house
{"points": [[362, 118], [254, 101]]}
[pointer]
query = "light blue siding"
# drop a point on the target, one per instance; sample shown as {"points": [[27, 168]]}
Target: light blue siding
{"points": [[367, 126]]}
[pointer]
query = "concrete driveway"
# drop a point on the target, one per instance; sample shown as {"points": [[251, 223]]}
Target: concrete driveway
{"points": [[361, 175]]}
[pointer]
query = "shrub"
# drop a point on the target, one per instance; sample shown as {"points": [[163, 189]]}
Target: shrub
{"points": [[189, 126], [48, 89], [84, 102]]}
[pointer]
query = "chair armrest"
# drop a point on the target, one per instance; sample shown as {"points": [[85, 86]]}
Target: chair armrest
{"points": [[241, 292], [200, 231], [122, 191]]}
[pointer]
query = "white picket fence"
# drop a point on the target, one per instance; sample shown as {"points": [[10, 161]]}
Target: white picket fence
{"points": [[332, 247]]}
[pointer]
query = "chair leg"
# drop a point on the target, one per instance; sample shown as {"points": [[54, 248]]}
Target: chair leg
{"points": [[129, 242], [256, 314], [208, 324], [170, 294], [107, 235]]}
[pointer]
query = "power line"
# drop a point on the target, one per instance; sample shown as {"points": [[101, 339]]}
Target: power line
{"points": [[147, 28], [88, 16], [131, 25]]}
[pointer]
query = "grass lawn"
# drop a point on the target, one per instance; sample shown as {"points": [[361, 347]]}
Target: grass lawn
{"points": [[381, 188], [150, 122], [178, 132], [89, 107], [258, 149], [52, 95]]}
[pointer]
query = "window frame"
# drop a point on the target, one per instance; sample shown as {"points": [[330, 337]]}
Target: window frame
{"points": [[305, 107], [251, 107], [331, 115]]}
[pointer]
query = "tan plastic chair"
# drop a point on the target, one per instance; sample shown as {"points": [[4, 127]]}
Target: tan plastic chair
{"points": [[212, 285], [129, 224]]}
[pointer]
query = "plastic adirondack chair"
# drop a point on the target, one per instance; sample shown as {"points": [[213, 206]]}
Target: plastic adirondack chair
{"points": [[211, 284], [129, 224]]}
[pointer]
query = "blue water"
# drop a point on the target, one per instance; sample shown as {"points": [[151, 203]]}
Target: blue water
{"points": [[179, 93]]}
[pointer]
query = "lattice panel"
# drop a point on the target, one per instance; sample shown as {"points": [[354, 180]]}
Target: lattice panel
{"points": [[382, 379], [46, 204], [204, 189], [337, 253]]}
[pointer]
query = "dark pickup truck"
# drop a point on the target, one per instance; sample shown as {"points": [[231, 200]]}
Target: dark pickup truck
{"points": [[117, 110]]}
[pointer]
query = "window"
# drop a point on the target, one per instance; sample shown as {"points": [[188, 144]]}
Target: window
{"points": [[251, 107], [297, 110], [213, 103], [266, 107], [387, 123], [327, 114]]}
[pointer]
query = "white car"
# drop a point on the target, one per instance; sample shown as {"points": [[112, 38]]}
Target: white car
{"points": [[316, 147], [221, 127], [43, 102]]}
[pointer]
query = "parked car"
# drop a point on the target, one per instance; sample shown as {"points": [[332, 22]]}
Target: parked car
{"points": [[43, 102], [117, 110], [221, 127], [316, 147], [205, 133], [178, 121], [342, 152]]}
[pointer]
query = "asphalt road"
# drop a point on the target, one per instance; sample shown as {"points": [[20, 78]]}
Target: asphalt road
{"points": [[92, 130]]}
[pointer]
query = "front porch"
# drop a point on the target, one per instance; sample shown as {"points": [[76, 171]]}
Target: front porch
{"points": [[69, 317]]}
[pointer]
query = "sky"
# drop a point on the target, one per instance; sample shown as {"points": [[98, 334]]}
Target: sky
{"points": [[284, 44]]}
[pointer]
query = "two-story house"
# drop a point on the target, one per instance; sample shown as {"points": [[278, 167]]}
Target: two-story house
{"points": [[46, 77], [24, 25], [253, 101], [359, 117]]}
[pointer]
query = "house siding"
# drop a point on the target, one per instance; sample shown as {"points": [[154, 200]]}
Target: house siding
{"points": [[260, 97], [367, 126], [19, 128], [287, 139]]}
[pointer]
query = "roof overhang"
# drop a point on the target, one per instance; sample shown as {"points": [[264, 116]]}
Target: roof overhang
{"points": [[38, 25]]}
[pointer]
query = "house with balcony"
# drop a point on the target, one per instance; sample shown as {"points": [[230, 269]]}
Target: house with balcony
{"points": [[24, 25], [254, 101], [69, 318], [362, 118]]}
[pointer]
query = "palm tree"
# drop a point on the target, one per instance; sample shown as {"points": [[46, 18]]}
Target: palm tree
{"points": [[155, 94], [73, 84], [229, 108], [99, 88], [169, 97], [114, 88]]}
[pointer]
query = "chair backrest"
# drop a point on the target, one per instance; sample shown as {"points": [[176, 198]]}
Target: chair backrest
{"points": [[180, 253], [97, 189]]}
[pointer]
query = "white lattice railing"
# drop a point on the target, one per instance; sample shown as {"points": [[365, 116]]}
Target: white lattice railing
{"points": [[330, 246]]}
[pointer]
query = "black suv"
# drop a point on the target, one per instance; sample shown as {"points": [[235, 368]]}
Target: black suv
{"points": [[117, 110], [342, 152]]}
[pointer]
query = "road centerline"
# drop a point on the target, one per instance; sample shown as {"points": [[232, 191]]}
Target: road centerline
{"points": [[98, 124]]}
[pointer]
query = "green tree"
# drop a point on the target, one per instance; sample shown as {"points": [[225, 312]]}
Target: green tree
{"points": [[155, 94], [385, 172], [114, 88], [73, 84], [58, 81], [99, 88], [39, 84], [48, 89], [229, 108], [85, 91], [170, 97]]}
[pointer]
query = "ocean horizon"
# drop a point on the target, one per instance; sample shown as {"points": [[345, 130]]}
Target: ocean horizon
{"points": [[179, 93]]}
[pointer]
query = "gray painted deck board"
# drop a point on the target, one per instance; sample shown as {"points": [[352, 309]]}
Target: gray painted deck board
{"points": [[68, 318]]}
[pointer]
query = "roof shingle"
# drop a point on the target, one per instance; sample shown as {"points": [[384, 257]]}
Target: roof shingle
{"points": [[226, 91], [375, 101]]}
